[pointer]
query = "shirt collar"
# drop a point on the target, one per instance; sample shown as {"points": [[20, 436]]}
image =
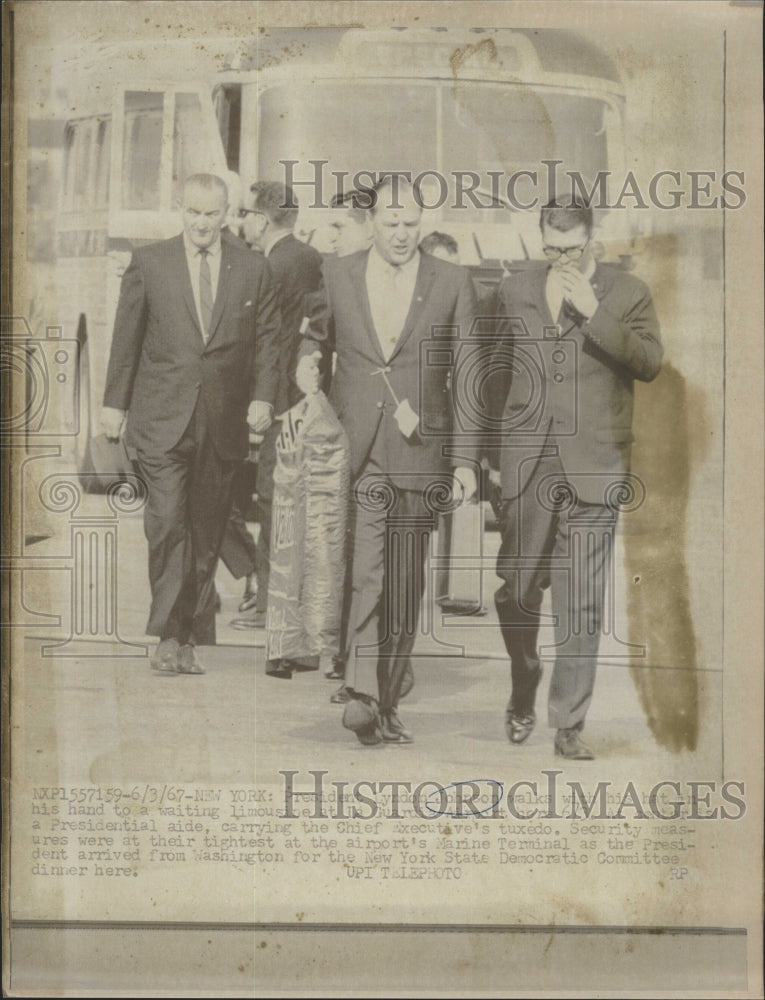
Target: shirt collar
{"points": [[379, 264], [191, 251]]}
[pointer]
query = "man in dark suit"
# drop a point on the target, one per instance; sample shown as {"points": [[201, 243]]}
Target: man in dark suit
{"points": [[375, 312], [194, 359], [575, 336], [268, 221]]}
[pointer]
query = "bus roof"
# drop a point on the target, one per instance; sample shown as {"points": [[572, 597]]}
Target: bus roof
{"points": [[525, 50]]}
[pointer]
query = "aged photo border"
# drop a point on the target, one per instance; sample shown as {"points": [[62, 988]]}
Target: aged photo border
{"points": [[336, 957]]}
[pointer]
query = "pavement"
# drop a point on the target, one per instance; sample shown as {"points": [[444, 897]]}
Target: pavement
{"points": [[102, 717]]}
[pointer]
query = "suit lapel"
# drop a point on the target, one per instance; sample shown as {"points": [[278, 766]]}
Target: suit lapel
{"points": [[358, 277], [539, 294], [184, 281], [425, 276], [224, 281]]}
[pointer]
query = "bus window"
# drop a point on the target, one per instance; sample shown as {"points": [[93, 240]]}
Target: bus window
{"points": [[69, 137], [103, 151], [228, 111], [142, 150], [77, 153], [516, 128], [190, 153], [356, 126]]}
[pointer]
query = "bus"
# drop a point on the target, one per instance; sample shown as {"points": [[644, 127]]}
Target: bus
{"points": [[467, 112]]}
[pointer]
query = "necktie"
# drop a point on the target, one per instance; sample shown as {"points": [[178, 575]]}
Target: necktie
{"points": [[205, 293], [396, 310]]}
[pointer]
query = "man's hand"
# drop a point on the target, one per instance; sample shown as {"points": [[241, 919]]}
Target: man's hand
{"points": [[259, 416], [112, 421], [307, 375], [578, 291], [465, 483]]}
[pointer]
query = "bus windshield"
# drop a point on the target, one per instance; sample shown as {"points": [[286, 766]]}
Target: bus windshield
{"points": [[445, 127]]}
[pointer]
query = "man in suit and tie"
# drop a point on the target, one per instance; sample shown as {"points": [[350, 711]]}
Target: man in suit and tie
{"points": [[268, 221], [376, 310], [194, 359], [574, 337]]}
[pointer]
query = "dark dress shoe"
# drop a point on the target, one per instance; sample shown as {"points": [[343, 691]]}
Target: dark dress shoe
{"points": [[165, 658], [256, 620], [341, 696], [569, 744], [336, 671], [518, 727], [393, 730], [362, 717], [188, 663], [281, 669]]}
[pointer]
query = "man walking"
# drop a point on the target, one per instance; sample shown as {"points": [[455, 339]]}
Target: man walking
{"points": [[575, 336], [194, 359], [376, 309], [268, 221]]}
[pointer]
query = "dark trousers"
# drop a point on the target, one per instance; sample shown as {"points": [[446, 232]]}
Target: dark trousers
{"points": [[390, 531], [566, 547], [237, 550], [265, 489], [189, 496]]}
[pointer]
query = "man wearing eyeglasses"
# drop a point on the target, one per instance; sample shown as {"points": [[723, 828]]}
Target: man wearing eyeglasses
{"points": [[574, 335]]}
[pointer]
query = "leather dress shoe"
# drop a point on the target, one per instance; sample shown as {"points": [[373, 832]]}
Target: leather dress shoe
{"points": [[336, 671], [393, 729], [569, 744], [188, 662], [281, 669], [362, 717], [165, 658], [519, 726], [256, 620], [341, 696]]}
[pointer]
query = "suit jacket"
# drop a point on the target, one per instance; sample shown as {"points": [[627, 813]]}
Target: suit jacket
{"points": [[570, 387], [159, 364], [296, 269], [442, 310]]}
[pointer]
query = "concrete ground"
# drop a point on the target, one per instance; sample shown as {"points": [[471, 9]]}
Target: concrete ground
{"points": [[104, 717]]}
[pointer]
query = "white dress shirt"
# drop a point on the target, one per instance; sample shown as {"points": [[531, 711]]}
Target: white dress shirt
{"points": [[390, 289], [193, 258]]}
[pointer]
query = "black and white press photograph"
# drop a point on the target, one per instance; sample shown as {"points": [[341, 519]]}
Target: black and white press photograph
{"points": [[382, 438]]}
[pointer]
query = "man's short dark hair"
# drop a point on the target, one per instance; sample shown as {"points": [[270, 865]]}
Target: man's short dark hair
{"points": [[566, 217], [397, 187], [357, 204], [277, 202], [435, 240]]}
